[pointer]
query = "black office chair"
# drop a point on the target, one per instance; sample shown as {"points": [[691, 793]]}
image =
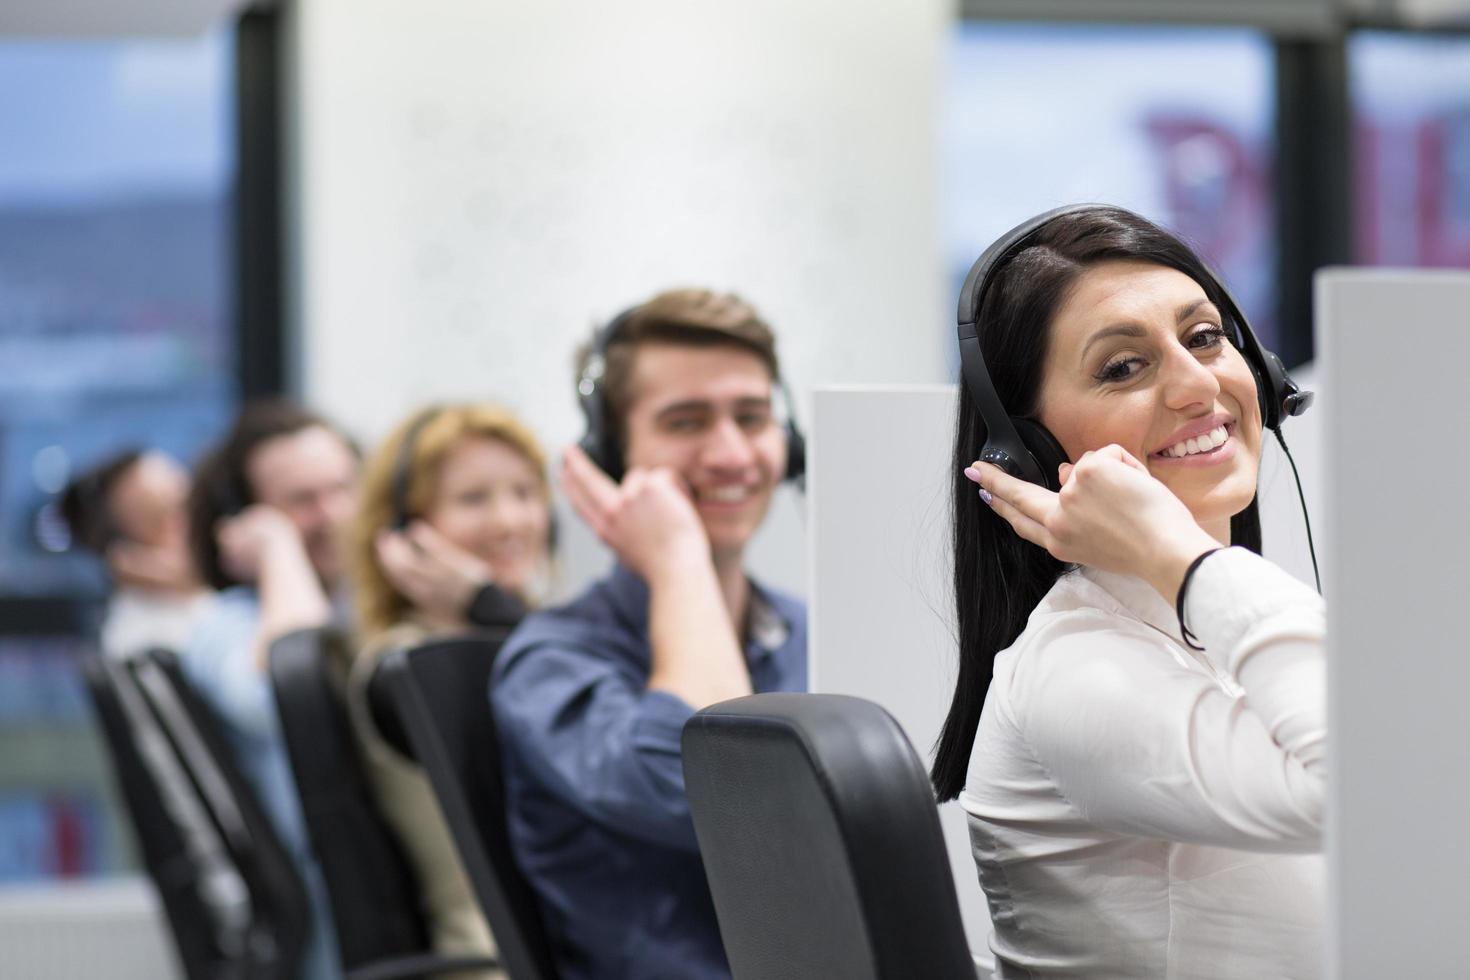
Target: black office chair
{"points": [[440, 693], [381, 932], [280, 911], [199, 887], [821, 840]]}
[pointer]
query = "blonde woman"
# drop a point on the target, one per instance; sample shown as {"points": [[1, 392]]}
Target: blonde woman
{"points": [[453, 531]]}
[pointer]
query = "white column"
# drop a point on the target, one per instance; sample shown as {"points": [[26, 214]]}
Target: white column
{"points": [[476, 183]]}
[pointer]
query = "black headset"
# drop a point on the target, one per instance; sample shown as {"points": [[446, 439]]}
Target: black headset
{"points": [[1022, 446], [398, 487], [600, 440], [402, 481]]}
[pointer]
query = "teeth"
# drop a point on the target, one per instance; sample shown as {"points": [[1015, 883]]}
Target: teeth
{"points": [[726, 495], [1200, 444]]}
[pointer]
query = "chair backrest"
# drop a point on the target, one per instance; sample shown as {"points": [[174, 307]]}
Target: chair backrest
{"points": [[143, 763], [441, 692], [821, 839], [280, 910], [374, 894]]}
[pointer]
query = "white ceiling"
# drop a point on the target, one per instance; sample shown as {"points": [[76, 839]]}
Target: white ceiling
{"points": [[111, 18]]}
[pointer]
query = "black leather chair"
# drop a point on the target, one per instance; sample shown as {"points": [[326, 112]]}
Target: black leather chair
{"points": [[822, 843], [280, 909], [440, 693], [381, 932], [203, 896]]}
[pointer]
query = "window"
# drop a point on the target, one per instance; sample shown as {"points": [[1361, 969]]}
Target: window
{"points": [[1410, 97], [1175, 123], [116, 328]]}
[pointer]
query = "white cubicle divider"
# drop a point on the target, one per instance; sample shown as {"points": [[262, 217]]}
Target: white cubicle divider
{"points": [[1394, 347], [881, 602], [881, 622]]}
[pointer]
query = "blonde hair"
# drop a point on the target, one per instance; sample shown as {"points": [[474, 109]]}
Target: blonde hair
{"points": [[435, 433]]}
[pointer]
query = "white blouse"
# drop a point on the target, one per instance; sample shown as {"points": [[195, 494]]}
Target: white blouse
{"points": [[1141, 809]]}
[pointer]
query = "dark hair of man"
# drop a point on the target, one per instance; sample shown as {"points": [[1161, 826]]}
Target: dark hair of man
{"points": [[998, 576], [86, 503], [221, 479], [686, 317]]}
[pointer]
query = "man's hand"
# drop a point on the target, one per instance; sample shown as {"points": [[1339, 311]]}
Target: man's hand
{"points": [[648, 520], [246, 540], [261, 546], [439, 578]]}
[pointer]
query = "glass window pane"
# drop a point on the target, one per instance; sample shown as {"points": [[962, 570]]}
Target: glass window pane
{"points": [[115, 304], [1176, 123], [1411, 115], [116, 329]]}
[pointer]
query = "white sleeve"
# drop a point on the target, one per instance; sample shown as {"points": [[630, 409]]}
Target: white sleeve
{"points": [[1145, 745]]}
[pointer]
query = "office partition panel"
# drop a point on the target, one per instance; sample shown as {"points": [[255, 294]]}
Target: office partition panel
{"points": [[1394, 349]]}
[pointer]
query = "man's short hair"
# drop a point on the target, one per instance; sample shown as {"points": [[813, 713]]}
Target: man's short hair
{"points": [[687, 317], [86, 503], [222, 482]]}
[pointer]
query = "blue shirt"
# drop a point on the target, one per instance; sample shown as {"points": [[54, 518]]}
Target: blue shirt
{"points": [[595, 786], [220, 661]]}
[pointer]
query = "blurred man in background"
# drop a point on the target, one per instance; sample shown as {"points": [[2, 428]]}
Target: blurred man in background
{"points": [[267, 518]]}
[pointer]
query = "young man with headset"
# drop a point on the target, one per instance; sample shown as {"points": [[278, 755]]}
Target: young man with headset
{"points": [[684, 449]]}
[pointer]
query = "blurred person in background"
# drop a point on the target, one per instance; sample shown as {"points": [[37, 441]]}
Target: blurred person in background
{"points": [[267, 515], [130, 510], [453, 532]]}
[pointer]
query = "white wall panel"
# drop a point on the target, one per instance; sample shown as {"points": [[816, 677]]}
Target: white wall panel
{"points": [[477, 183], [1393, 347]]}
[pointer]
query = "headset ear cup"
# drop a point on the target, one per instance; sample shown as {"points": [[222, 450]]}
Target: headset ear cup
{"points": [[795, 453], [606, 453], [1044, 449]]}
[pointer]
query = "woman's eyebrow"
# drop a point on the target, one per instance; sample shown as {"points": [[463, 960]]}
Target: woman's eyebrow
{"points": [[1189, 309], [1116, 330], [1134, 330]]}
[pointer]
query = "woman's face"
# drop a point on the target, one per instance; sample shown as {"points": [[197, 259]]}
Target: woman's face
{"points": [[1139, 356], [490, 501]]}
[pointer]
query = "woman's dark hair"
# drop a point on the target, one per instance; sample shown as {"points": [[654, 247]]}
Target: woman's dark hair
{"points": [[86, 503], [1000, 577], [221, 481]]}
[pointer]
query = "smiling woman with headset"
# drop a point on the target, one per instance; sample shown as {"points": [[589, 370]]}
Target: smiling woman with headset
{"points": [[1145, 782], [453, 530]]}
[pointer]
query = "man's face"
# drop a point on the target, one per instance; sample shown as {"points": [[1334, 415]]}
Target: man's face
{"points": [[148, 503], [310, 477], [705, 413]]}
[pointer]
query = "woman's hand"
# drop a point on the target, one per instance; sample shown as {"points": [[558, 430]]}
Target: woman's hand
{"points": [[1111, 514], [439, 578]]}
